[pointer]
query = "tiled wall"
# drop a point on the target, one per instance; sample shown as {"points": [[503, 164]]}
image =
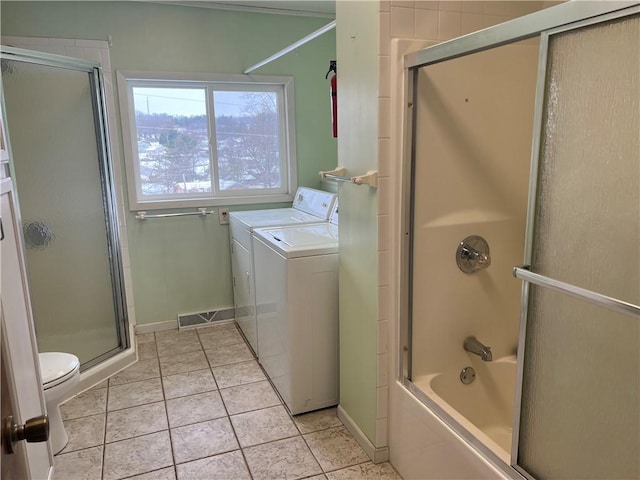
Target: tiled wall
{"points": [[433, 21]]}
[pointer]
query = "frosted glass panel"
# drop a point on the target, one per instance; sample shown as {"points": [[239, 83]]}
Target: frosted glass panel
{"points": [[57, 172], [580, 410], [588, 218]]}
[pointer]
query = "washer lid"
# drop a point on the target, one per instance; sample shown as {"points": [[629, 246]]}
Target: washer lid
{"points": [[273, 217], [301, 241], [56, 366]]}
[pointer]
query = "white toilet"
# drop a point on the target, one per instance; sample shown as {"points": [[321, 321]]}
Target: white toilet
{"points": [[60, 375]]}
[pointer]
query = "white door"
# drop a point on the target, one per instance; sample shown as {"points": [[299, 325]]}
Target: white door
{"points": [[19, 352]]}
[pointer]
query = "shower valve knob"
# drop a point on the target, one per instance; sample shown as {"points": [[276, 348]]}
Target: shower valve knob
{"points": [[473, 254]]}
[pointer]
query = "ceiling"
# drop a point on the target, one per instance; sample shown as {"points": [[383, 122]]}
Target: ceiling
{"points": [[310, 8]]}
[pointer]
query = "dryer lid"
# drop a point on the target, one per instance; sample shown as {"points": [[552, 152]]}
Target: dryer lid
{"points": [[315, 202], [55, 366]]}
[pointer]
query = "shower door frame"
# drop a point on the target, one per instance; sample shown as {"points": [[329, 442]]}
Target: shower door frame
{"points": [[107, 183], [540, 24]]}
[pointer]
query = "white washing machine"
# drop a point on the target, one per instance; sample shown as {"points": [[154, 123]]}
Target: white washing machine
{"points": [[297, 312], [309, 206]]}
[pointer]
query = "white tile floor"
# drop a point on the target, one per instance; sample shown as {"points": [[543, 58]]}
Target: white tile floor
{"points": [[197, 405]]}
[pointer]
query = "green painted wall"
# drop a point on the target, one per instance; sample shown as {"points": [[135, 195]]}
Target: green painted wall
{"points": [[357, 40], [182, 265]]}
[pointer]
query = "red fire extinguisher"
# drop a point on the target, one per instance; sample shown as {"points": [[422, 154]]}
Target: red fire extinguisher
{"points": [[333, 90]]}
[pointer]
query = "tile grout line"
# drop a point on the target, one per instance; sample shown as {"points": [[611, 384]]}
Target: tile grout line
{"points": [[227, 414], [166, 413], [104, 434], [224, 405]]}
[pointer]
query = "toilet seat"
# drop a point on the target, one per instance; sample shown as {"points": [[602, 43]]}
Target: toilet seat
{"points": [[57, 367]]}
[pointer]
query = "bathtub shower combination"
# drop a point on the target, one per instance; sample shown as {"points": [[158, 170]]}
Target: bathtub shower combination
{"points": [[519, 155]]}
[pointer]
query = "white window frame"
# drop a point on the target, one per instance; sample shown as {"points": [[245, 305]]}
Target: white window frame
{"points": [[128, 79]]}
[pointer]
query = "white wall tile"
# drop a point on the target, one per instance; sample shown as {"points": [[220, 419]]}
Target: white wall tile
{"points": [[384, 117], [124, 237], [383, 337], [382, 402], [381, 432], [128, 285], [9, 40], [91, 43], [52, 49], [93, 54], [384, 232], [384, 196], [450, 5], [122, 215], [76, 52], [427, 5], [473, 6], [60, 42], [106, 60], [522, 7], [31, 41], [490, 20], [402, 22], [131, 313], [427, 24], [383, 268], [126, 262], [384, 162], [383, 369], [403, 3], [384, 302], [449, 25], [472, 22], [496, 8], [384, 34], [384, 76]]}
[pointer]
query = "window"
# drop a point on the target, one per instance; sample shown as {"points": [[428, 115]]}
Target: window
{"points": [[214, 140]]}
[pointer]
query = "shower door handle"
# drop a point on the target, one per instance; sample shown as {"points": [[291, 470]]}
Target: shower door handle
{"points": [[524, 273]]}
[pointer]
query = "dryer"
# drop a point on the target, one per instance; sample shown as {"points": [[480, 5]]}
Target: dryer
{"points": [[297, 312], [309, 206]]}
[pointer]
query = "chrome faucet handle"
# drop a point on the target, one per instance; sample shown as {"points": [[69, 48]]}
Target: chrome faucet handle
{"points": [[473, 254]]}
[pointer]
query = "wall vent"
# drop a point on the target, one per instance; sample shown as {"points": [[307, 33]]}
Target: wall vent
{"points": [[200, 319]]}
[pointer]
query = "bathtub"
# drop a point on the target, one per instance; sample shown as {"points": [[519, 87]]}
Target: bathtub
{"points": [[485, 407]]}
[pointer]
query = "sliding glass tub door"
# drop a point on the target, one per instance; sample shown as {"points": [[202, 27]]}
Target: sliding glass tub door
{"points": [[579, 352]]}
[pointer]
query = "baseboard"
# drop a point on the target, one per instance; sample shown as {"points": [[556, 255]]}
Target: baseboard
{"points": [[376, 454], [156, 327]]}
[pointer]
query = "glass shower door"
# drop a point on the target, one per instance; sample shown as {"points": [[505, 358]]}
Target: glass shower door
{"points": [[64, 187], [580, 343]]}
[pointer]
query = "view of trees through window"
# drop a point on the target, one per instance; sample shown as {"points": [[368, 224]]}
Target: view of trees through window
{"points": [[174, 153]]}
